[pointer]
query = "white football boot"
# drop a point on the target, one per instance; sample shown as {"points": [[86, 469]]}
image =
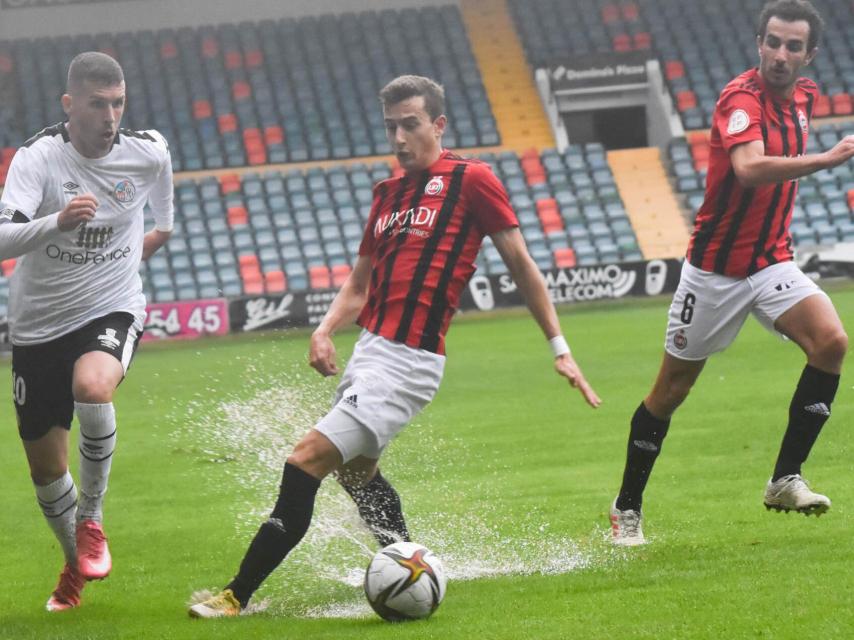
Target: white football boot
{"points": [[626, 528], [792, 493]]}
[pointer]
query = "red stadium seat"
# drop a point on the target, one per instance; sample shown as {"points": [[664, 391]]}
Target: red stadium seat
{"points": [[610, 13], [841, 104], [686, 100], [256, 156], [229, 183], [275, 282], [237, 215], [210, 48], [822, 107], [630, 12], [339, 274], [622, 42], [202, 109], [233, 60], [254, 58], [546, 205], [274, 135], [851, 198], [6, 154], [241, 90], [643, 41], [7, 64], [248, 261], [253, 284], [319, 277], [674, 69], [227, 122], [565, 258], [168, 50], [7, 266]]}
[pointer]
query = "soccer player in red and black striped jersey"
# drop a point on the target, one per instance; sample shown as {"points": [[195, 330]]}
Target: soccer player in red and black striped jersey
{"points": [[739, 261], [417, 254]]}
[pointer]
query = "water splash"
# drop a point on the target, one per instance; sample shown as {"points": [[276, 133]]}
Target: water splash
{"points": [[249, 434]]}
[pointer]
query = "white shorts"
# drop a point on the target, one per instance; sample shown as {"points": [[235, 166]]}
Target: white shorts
{"points": [[385, 384], [708, 309]]}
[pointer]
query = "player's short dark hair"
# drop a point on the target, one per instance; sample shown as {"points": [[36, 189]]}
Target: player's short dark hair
{"points": [[95, 67], [790, 11], [405, 87]]}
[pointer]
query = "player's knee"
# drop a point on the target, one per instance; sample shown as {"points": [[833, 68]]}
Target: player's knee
{"points": [[93, 387], [832, 347], [45, 472], [313, 457]]}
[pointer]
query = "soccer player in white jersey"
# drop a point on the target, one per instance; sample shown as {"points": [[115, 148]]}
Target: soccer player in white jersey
{"points": [[72, 213]]}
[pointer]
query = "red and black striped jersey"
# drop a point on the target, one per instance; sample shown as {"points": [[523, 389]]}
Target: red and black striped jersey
{"points": [[423, 236], [741, 230]]}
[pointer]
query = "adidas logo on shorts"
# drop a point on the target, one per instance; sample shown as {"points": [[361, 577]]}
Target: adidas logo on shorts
{"points": [[353, 401]]}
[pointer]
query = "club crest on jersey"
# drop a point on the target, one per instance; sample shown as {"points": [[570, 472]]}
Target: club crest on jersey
{"points": [[434, 187], [124, 191], [802, 120], [738, 121]]}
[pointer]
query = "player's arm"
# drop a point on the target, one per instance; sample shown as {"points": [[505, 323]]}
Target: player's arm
{"points": [[152, 241], [18, 239], [160, 201], [753, 168], [523, 269], [343, 311]]}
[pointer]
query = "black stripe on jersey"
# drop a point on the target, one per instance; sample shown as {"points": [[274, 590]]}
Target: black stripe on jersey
{"points": [[391, 255], [705, 233], [732, 231], [130, 133], [769, 255], [799, 132], [426, 257], [784, 129], [766, 227], [382, 188], [769, 216], [53, 130], [810, 105], [439, 305]]}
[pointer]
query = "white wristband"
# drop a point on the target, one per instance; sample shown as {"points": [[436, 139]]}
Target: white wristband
{"points": [[559, 346]]}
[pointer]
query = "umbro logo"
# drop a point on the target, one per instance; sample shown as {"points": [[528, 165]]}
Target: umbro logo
{"points": [[108, 339], [352, 401], [71, 188], [819, 408]]}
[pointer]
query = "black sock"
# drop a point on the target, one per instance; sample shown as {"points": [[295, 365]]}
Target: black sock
{"points": [[380, 508], [281, 533], [809, 410], [645, 438]]}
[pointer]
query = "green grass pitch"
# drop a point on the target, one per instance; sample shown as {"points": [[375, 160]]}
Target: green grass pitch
{"points": [[507, 476]]}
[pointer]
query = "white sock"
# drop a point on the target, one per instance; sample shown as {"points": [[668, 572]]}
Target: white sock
{"points": [[58, 501], [97, 442]]}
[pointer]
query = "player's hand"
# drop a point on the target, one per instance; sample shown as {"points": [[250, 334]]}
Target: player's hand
{"points": [[567, 367], [321, 354], [79, 210], [841, 152]]}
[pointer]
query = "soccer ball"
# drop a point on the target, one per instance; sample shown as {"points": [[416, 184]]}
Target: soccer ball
{"points": [[405, 581]]}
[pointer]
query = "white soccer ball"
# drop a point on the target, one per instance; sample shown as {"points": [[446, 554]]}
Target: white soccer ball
{"points": [[405, 581]]}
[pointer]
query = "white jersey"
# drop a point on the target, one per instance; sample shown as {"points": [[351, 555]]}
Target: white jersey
{"points": [[67, 279]]}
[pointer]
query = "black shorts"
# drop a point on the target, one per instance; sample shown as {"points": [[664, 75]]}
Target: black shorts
{"points": [[42, 373]]}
